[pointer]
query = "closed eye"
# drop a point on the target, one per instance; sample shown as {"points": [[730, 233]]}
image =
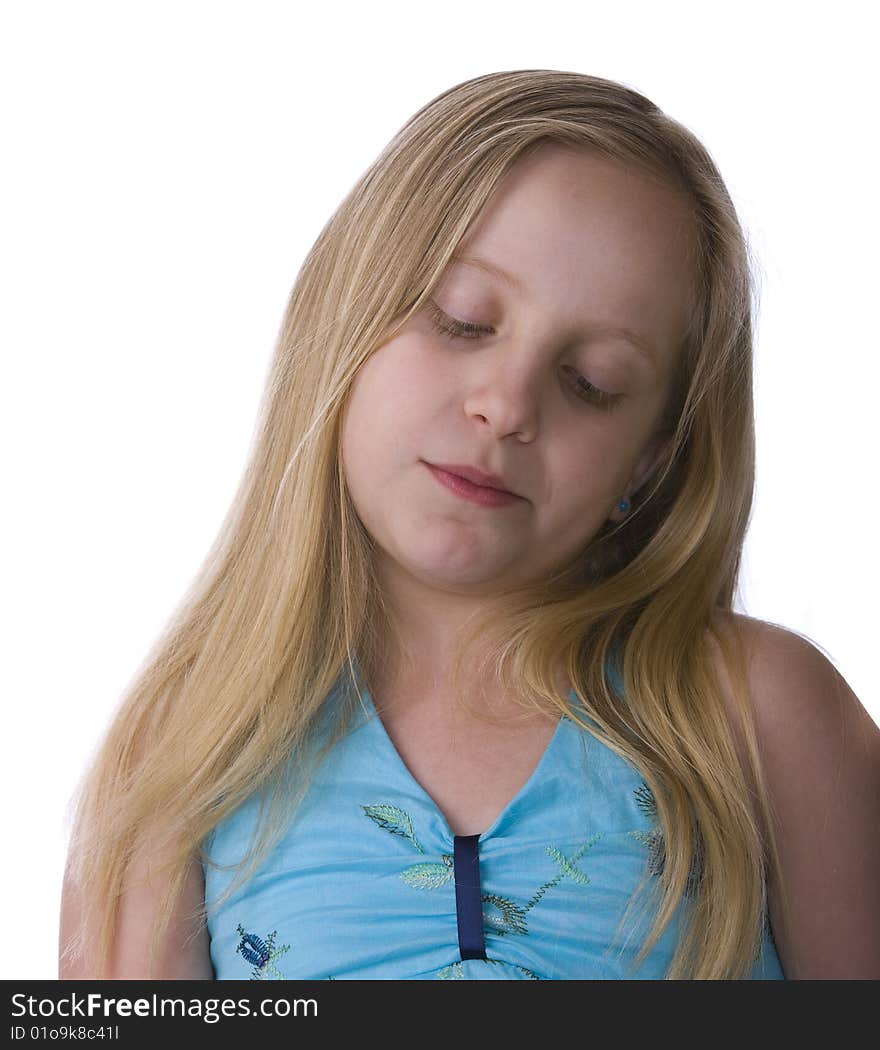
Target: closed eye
{"points": [[455, 329]]}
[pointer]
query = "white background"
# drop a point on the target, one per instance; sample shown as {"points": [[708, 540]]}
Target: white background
{"points": [[166, 168]]}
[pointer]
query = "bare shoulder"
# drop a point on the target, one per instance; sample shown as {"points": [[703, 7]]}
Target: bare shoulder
{"points": [[799, 698], [184, 953], [821, 757]]}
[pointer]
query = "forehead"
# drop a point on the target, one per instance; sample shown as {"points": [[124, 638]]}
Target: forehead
{"points": [[588, 240]]}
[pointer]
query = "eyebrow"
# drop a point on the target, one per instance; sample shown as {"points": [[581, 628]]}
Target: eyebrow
{"points": [[635, 339]]}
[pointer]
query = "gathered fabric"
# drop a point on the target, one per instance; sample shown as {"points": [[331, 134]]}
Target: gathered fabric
{"points": [[369, 882]]}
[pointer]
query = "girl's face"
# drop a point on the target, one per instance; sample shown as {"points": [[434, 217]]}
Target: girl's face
{"points": [[590, 247]]}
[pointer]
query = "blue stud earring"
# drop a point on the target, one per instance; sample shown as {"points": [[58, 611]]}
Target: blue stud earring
{"points": [[624, 505]]}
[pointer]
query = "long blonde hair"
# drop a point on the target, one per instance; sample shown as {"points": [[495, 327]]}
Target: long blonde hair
{"points": [[287, 597]]}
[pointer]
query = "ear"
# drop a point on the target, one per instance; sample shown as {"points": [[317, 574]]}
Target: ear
{"points": [[652, 457]]}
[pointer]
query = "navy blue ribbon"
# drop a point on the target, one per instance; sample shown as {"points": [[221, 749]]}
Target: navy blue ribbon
{"points": [[468, 903]]}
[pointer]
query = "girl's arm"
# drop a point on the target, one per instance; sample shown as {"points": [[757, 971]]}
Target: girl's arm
{"points": [[184, 951], [821, 752]]}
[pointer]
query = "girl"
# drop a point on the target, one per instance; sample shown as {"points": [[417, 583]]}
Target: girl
{"points": [[460, 692]]}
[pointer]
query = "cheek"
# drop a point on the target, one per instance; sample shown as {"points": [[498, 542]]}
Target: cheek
{"points": [[588, 476], [590, 463], [386, 410], [406, 383]]}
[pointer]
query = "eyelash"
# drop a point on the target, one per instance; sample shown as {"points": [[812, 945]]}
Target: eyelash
{"points": [[465, 330]]}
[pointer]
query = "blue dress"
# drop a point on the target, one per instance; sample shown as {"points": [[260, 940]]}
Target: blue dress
{"points": [[369, 882]]}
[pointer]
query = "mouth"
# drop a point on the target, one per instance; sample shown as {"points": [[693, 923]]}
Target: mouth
{"points": [[475, 476], [483, 495]]}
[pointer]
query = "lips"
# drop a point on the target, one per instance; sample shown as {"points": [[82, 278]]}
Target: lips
{"points": [[482, 495], [476, 476]]}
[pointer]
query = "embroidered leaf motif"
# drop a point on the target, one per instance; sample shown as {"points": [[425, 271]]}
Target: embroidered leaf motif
{"points": [[645, 801], [656, 842], [532, 976], [395, 820], [429, 875], [503, 916], [647, 838], [261, 954], [653, 840], [567, 866], [456, 973]]}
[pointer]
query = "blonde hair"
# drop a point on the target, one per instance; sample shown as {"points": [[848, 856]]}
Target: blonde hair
{"points": [[287, 596]]}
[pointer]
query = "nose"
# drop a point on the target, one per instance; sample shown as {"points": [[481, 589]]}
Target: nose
{"points": [[505, 396]]}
